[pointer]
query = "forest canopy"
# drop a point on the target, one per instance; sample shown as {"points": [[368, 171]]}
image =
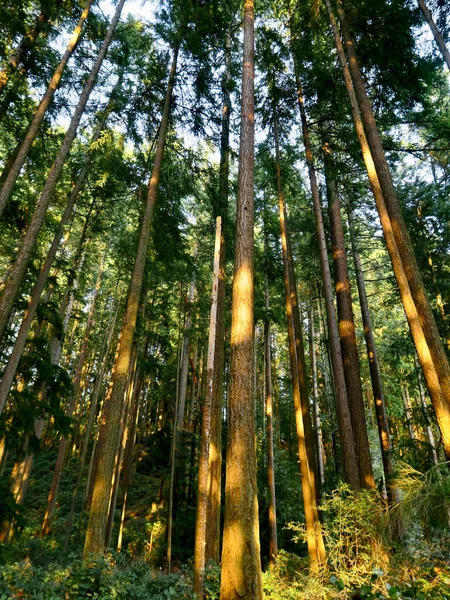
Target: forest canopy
{"points": [[224, 299]]}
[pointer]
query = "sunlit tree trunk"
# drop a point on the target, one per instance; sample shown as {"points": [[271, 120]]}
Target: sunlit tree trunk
{"points": [[421, 322], [109, 434], [241, 562]]}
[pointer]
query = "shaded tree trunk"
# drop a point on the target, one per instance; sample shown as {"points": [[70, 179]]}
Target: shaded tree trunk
{"points": [[315, 394], [435, 31], [347, 332]]}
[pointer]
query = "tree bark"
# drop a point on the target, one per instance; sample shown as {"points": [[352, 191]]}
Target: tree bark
{"points": [[215, 453], [315, 394], [109, 434], [11, 289], [350, 464], [241, 562], [375, 375], [429, 347], [347, 331], [204, 463], [273, 537], [39, 115]]}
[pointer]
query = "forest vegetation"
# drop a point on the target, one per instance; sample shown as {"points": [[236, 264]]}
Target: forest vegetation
{"points": [[224, 299]]}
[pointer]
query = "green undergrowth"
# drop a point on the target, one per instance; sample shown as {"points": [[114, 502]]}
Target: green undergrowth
{"points": [[372, 553]]}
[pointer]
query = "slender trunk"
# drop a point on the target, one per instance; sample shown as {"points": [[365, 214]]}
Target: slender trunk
{"points": [[51, 501], [109, 438], [408, 412], [212, 551], [425, 410], [273, 538], [203, 468], [185, 357], [241, 562], [420, 318], [350, 464], [19, 269], [435, 31], [129, 453], [92, 414], [347, 332], [375, 375], [20, 53], [39, 115], [315, 394], [19, 345]]}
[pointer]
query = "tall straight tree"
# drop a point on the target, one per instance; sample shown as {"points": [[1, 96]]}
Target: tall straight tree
{"points": [[203, 467], [347, 331], [17, 273], [306, 453], [215, 453], [350, 463], [109, 438], [429, 347], [241, 562]]}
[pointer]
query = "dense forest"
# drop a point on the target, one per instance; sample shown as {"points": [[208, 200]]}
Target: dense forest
{"points": [[224, 299]]}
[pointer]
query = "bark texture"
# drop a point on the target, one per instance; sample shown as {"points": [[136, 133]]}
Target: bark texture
{"points": [[241, 563]]}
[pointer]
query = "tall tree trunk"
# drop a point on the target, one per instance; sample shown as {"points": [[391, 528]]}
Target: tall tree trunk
{"points": [[51, 501], [11, 289], [203, 467], [273, 537], [315, 394], [375, 375], [346, 434], [241, 562], [435, 31], [314, 538], [20, 53], [408, 412], [212, 551], [184, 366], [426, 418], [109, 434], [129, 450], [429, 347], [347, 332], [39, 115], [291, 291], [19, 345], [92, 414]]}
